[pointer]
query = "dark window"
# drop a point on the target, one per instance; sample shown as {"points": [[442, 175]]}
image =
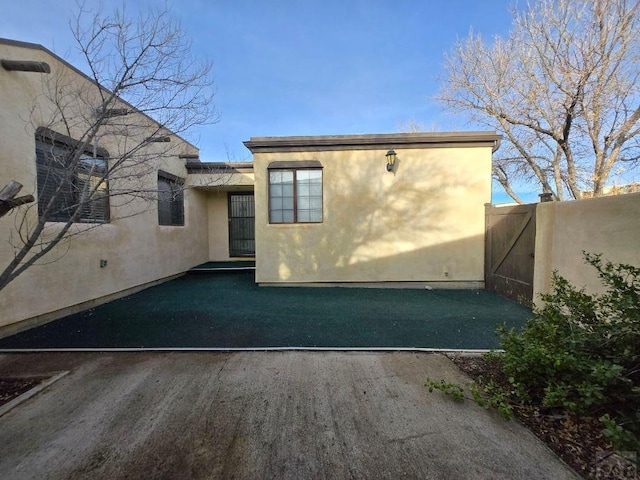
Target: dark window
{"points": [[295, 195], [170, 199], [70, 187]]}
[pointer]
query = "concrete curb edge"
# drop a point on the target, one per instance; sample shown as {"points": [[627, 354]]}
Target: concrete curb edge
{"points": [[7, 407]]}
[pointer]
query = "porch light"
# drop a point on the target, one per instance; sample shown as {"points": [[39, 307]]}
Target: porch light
{"points": [[391, 160]]}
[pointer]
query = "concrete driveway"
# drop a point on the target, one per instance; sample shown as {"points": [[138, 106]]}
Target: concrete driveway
{"points": [[291, 415]]}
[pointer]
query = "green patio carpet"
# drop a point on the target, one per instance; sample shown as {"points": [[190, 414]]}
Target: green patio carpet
{"points": [[224, 266], [227, 310]]}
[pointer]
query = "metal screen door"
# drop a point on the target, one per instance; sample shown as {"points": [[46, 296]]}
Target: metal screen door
{"points": [[241, 225]]}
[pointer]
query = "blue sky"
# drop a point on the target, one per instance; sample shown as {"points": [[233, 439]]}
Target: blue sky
{"points": [[314, 67]]}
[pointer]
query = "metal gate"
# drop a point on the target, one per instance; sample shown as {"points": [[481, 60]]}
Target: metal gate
{"points": [[510, 236], [241, 225]]}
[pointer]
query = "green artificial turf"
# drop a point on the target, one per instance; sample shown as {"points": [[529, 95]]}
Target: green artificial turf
{"points": [[229, 310]]}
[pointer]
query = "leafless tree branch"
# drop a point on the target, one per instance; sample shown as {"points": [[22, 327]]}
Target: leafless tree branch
{"points": [[146, 85], [563, 87]]}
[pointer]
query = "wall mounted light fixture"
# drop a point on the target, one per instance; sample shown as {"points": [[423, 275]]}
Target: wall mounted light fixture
{"points": [[391, 160]]}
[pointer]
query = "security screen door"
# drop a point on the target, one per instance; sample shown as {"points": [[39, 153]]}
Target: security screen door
{"points": [[241, 225]]}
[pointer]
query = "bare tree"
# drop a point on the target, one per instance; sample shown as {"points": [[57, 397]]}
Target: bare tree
{"points": [[415, 126], [144, 88], [564, 90]]}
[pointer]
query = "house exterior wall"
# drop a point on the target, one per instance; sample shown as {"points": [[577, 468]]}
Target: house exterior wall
{"points": [[606, 225], [217, 180], [138, 250], [218, 227], [424, 222]]}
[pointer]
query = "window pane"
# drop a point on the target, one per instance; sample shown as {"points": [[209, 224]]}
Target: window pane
{"points": [[303, 203], [287, 216], [303, 176], [89, 164], [275, 178], [276, 190], [303, 190], [170, 201], [315, 215], [303, 216], [177, 204], [315, 175], [276, 216], [287, 190], [276, 203], [315, 203], [287, 203], [315, 189], [309, 192], [280, 176], [164, 202]]}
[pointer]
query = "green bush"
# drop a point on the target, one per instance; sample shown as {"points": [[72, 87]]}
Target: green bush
{"points": [[581, 352]]}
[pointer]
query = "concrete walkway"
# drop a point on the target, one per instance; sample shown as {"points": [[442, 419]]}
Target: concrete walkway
{"points": [[291, 415]]}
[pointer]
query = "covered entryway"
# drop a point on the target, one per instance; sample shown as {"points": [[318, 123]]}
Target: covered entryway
{"points": [[510, 242], [241, 225]]}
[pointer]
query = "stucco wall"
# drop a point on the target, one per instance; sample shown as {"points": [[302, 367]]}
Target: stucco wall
{"points": [[422, 223], [606, 225], [137, 249], [216, 183], [218, 227]]}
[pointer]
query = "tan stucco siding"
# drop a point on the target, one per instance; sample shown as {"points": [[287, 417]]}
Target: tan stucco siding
{"points": [[606, 225], [215, 181], [424, 222], [137, 249], [218, 226]]}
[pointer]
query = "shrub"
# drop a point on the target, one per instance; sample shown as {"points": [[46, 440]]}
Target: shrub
{"points": [[581, 352]]}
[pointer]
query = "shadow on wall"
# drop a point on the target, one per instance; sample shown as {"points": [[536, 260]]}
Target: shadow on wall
{"points": [[406, 225]]}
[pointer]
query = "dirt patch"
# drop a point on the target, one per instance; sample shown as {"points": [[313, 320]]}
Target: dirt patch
{"points": [[11, 388], [577, 440]]}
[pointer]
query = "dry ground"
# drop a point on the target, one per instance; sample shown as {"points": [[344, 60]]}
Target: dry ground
{"points": [[577, 440]]}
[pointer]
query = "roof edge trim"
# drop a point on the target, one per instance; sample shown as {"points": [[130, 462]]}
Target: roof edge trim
{"points": [[382, 141]]}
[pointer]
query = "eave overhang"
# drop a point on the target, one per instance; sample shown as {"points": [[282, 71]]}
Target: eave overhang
{"points": [[373, 142], [219, 167]]}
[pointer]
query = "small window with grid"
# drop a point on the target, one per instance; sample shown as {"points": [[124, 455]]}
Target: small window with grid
{"points": [[295, 195]]}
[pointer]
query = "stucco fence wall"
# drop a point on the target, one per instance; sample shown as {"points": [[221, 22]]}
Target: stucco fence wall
{"points": [[607, 225]]}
